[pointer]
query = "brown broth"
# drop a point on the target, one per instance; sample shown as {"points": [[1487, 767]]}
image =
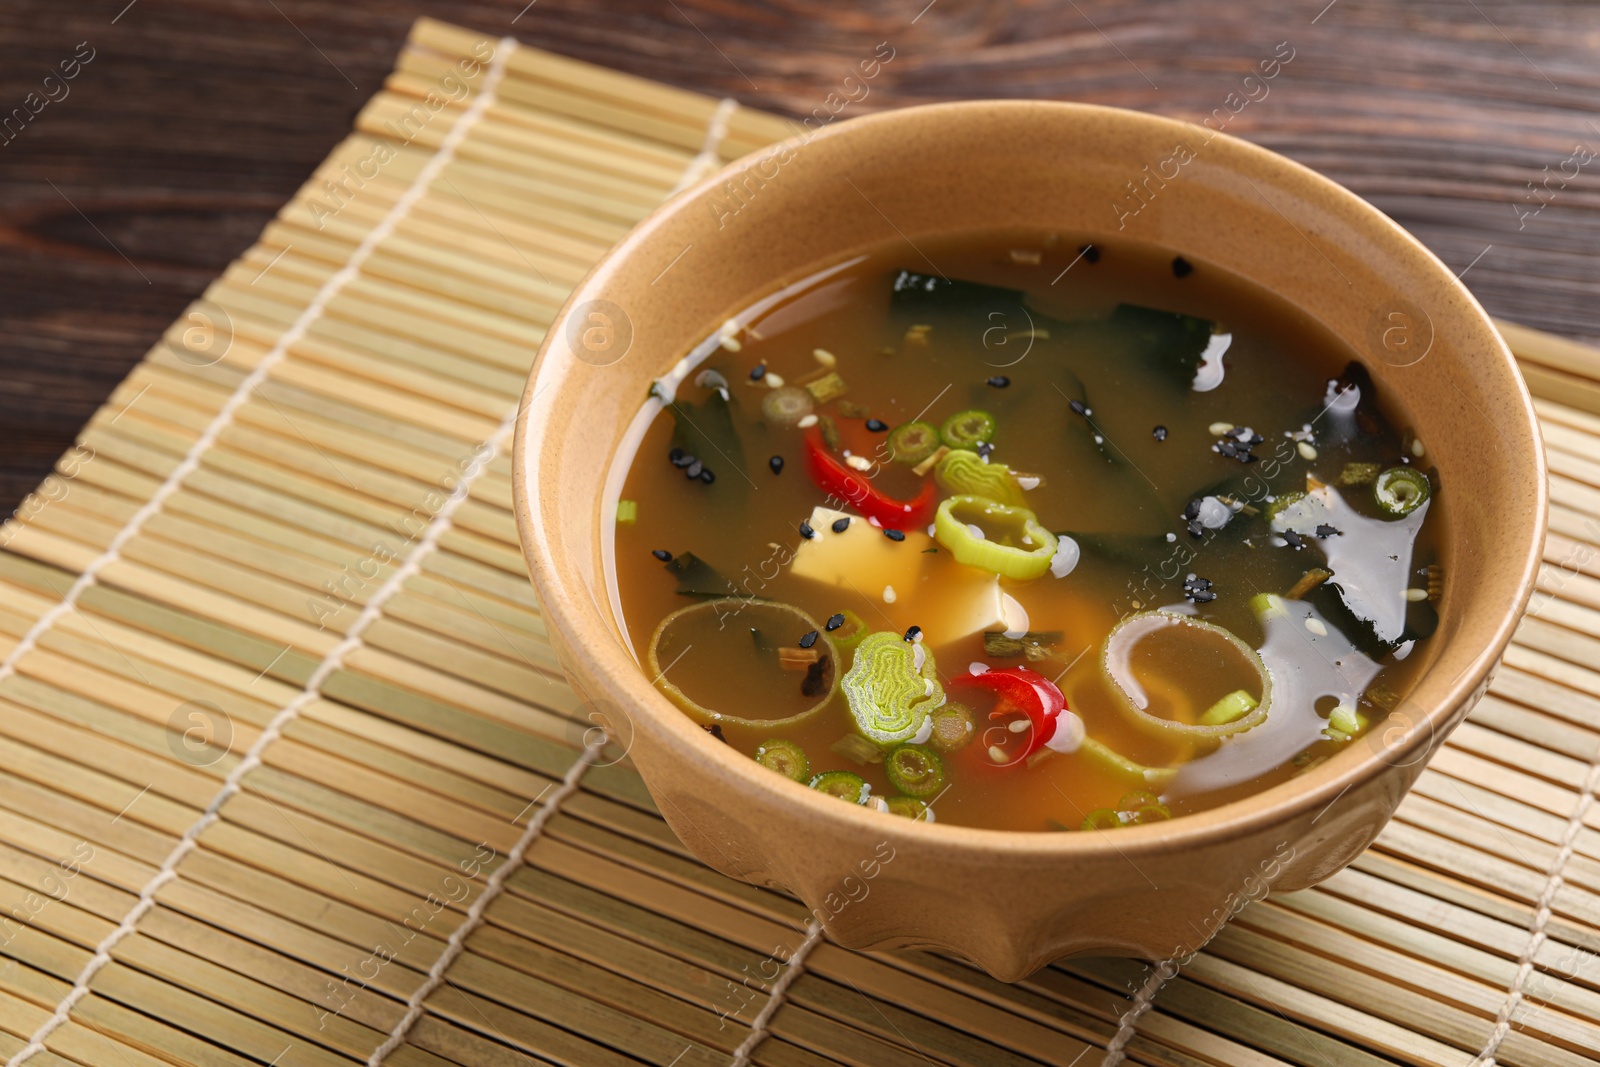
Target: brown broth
{"points": [[1106, 478]]}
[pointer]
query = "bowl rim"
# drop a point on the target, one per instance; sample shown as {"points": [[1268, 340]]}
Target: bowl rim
{"points": [[1278, 804]]}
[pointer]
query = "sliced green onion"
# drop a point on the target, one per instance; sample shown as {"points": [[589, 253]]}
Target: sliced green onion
{"points": [[785, 757], [910, 808], [857, 749], [953, 727], [1346, 721], [1101, 819], [913, 442], [829, 387], [1401, 490], [968, 429], [786, 406], [891, 687], [1358, 474], [1011, 543], [842, 784], [627, 512], [915, 770], [1233, 706], [1114, 659], [965, 473]]}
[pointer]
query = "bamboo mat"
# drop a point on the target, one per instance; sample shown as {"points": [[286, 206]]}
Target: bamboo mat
{"points": [[288, 775]]}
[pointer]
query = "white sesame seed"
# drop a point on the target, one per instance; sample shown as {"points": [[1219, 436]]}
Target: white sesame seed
{"points": [[773, 381], [860, 463], [1316, 627], [888, 594], [1416, 447], [998, 754], [1018, 725], [1220, 428], [1416, 595], [824, 357], [1306, 451], [731, 344], [806, 421]]}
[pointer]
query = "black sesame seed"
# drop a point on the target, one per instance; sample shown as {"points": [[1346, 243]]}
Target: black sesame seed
{"points": [[715, 730], [806, 531], [776, 463], [707, 477], [808, 639], [1191, 510], [1248, 457], [675, 455], [1181, 268], [841, 525], [999, 381], [692, 471], [1090, 253], [911, 634], [1160, 433], [1196, 530], [1228, 448], [1204, 596], [1293, 540], [1324, 530], [662, 554], [835, 621], [1078, 406], [985, 448], [894, 535], [877, 425], [758, 372], [680, 458]]}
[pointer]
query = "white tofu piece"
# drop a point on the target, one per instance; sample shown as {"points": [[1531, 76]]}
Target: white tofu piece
{"points": [[970, 601], [861, 558]]}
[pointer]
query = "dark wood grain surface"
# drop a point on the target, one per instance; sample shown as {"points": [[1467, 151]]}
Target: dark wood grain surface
{"points": [[195, 119]]}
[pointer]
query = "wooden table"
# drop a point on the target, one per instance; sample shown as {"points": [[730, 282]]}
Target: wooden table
{"points": [[1475, 123]]}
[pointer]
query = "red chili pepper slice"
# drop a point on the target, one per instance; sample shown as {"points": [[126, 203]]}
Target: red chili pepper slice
{"points": [[838, 480], [1021, 690]]}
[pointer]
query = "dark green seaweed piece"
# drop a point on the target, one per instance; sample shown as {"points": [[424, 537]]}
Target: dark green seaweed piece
{"points": [[696, 577], [913, 291], [706, 431], [1169, 341]]}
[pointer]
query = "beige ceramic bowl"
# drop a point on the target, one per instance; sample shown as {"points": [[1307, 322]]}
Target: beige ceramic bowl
{"points": [[1014, 901]]}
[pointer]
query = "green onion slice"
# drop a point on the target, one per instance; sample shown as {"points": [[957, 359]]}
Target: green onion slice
{"points": [[1401, 490], [850, 632], [1010, 541], [910, 808], [786, 406], [915, 770], [913, 442], [892, 687], [844, 785], [1115, 663], [968, 429], [785, 757], [1114, 761], [804, 624], [965, 473], [1233, 706], [953, 727]]}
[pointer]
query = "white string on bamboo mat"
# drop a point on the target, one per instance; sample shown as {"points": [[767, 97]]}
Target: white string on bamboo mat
{"points": [[780, 991], [416, 1003], [426, 544], [475, 914], [708, 160], [1541, 918]]}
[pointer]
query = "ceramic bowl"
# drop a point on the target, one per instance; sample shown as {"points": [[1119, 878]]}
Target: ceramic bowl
{"points": [[1012, 902]]}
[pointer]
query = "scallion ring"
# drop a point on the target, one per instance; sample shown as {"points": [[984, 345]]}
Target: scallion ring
{"points": [[1115, 663], [968, 429], [1401, 490]]}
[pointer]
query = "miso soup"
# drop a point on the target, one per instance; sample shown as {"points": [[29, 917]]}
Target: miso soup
{"points": [[1013, 531]]}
